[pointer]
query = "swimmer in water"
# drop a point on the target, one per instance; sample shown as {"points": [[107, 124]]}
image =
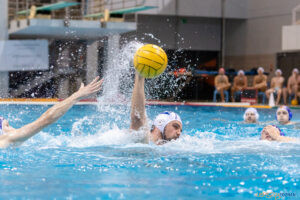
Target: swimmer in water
{"points": [[251, 115], [273, 133], [284, 115], [277, 87], [10, 135], [167, 126]]}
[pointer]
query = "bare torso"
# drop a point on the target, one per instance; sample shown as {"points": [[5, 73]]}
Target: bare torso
{"points": [[277, 82]]}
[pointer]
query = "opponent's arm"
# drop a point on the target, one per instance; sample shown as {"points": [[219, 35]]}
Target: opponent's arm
{"points": [[138, 112], [53, 113]]}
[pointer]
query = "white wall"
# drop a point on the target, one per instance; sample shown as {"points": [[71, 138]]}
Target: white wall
{"points": [[291, 37], [261, 33], [199, 8]]}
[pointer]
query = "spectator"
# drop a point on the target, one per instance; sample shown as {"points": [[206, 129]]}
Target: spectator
{"points": [[239, 83], [222, 83], [277, 86]]}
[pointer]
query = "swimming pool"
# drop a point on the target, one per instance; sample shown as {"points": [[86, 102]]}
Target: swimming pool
{"points": [[88, 154]]}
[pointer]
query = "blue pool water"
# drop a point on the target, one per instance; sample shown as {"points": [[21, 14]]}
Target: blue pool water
{"points": [[88, 154]]}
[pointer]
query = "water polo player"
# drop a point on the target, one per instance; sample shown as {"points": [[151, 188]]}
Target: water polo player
{"points": [[10, 135], [284, 115], [273, 133], [167, 125], [251, 115]]}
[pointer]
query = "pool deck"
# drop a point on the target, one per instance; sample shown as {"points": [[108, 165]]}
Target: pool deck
{"points": [[46, 101]]}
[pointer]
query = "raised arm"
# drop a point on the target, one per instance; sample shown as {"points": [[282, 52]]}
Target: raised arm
{"points": [[50, 116], [138, 112]]}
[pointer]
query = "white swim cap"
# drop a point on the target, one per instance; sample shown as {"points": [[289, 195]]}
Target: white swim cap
{"points": [[296, 70], [260, 69], [241, 72], [253, 110], [278, 70], [164, 118]]}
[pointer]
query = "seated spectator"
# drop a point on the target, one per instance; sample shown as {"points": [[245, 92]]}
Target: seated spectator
{"points": [[292, 86], [260, 80], [277, 86], [239, 83], [221, 83]]}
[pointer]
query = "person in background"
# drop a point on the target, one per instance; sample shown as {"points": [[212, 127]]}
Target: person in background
{"points": [[11, 136], [277, 87], [273, 133], [251, 116], [260, 80], [284, 115], [222, 83], [239, 83], [292, 85]]}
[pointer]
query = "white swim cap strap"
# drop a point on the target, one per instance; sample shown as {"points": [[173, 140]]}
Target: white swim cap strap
{"points": [[163, 119]]}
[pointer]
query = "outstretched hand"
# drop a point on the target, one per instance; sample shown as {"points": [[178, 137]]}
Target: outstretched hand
{"points": [[270, 133], [92, 88]]}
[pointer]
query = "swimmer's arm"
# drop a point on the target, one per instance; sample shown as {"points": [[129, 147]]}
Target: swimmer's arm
{"points": [[54, 113], [285, 139], [138, 111]]}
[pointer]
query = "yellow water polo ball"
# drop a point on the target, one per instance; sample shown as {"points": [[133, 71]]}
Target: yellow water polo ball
{"points": [[150, 60]]}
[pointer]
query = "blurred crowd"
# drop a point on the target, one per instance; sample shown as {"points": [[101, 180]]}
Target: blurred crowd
{"points": [[283, 94]]}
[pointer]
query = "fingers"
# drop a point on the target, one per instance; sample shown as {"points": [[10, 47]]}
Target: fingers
{"points": [[97, 86], [95, 80]]}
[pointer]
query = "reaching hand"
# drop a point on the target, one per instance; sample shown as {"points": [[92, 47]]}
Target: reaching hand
{"points": [[89, 89], [270, 133]]}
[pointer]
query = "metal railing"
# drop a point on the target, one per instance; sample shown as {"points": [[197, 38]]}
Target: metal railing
{"points": [[85, 7], [97, 6]]}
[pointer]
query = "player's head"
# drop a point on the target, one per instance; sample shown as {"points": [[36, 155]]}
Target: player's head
{"points": [[251, 115], [169, 124]]}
